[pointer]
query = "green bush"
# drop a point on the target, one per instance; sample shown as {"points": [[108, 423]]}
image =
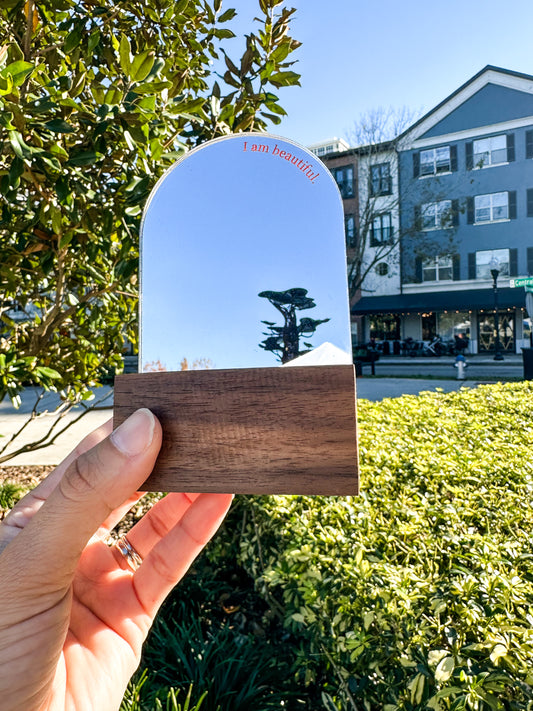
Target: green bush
{"points": [[10, 493], [206, 639], [142, 696], [416, 594]]}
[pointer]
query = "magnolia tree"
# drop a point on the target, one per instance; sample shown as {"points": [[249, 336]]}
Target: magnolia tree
{"points": [[97, 99]]}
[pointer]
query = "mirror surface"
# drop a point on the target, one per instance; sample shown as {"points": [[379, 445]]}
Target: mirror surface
{"points": [[237, 217]]}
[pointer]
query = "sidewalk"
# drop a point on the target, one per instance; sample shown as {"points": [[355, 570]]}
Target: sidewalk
{"points": [[395, 376], [11, 420], [480, 367]]}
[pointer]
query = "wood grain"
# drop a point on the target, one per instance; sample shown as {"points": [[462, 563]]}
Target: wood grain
{"points": [[250, 431]]}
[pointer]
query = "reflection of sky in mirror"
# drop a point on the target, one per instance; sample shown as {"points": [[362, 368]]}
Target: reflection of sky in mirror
{"points": [[226, 223]]}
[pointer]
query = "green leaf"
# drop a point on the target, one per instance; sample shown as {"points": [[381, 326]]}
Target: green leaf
{"points": [[285, 79], [125, 55], [224, 34], [59, 126], [18, 71], [6, 85], [84, 158], [113, 96], [73, 39], [444, 669], [19, 147], [47, 372], [142, 66], [227, 15]]}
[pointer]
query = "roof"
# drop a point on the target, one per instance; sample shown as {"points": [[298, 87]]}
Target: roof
{"points": [[466, 300], [487, 68]]}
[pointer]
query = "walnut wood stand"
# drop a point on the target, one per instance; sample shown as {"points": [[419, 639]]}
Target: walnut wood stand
{"points": [[250, 431]]}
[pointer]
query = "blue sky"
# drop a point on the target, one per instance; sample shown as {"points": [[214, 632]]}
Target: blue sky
{"points": [[225, 224], [359, 55]]}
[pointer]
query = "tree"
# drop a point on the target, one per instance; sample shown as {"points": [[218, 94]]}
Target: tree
{"points": [[97, 99], [377, 138], [284, 340]]}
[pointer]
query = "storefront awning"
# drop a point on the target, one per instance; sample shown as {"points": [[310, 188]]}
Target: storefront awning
{"points": [[468, 300]]}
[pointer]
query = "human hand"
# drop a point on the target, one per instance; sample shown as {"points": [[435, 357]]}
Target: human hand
{"points": [[73, 614]]}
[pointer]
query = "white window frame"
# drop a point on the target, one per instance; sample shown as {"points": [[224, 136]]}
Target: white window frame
{"points": [[385, 231], [487, 152], [492, 206], [436, 215], [439, 266], [436, 163], [484, 258]]}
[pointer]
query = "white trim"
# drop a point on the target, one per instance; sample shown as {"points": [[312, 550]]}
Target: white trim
{"points": [[504, 126], [434, 175], [492, 222], [490, 165], [463, 285], [490, 76]]}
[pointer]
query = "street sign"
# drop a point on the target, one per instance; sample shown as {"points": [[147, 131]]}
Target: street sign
{"points": [[525, 281]]}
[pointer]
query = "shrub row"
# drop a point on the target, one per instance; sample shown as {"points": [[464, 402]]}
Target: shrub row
{"points": [[415, 595], [418, 593]]}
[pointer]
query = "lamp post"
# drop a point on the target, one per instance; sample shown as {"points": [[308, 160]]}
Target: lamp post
{"points": [[495, 271]]}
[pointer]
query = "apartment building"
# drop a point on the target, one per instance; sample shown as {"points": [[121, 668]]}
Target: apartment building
{"points": [[463, 213]]}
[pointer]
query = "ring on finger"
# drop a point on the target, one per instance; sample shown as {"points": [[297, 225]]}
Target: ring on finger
{"points": [[128, 552]]}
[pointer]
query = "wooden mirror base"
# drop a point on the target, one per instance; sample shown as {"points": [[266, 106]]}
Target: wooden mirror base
{"points": [[250, 431]]}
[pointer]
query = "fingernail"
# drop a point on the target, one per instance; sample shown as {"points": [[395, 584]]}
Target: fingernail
{"points": [[135, 434]]}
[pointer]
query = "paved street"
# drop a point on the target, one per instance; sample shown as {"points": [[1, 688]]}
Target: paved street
{"points": [[394, 377]]}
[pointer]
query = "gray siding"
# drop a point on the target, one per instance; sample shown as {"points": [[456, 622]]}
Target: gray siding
{"points": [[515, 176], [490, 105]]}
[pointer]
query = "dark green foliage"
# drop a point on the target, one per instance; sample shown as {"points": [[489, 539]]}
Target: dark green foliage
{"points": [[143, 695], [217, 635], [10, 493], [97, 99], [418, 593], [284, 340]]}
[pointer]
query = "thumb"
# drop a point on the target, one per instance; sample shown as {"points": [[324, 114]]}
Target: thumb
{"points": [[95, 483]]}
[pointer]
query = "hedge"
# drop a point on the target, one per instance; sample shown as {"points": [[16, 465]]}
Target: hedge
{"points": [[416, 594]]}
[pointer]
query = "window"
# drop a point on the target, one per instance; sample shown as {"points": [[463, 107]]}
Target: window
{"points": [[349, 230], [485, 262], [492, 207], [436, 215], [490, 151], [382, 269], [529, 144], [438, 269], [453, 324], [384, 328], [435, 160], [344, 179], [381, 232], [380, 179]]}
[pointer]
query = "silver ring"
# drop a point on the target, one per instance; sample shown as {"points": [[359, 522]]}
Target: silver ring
{"points": [[132, 558]]}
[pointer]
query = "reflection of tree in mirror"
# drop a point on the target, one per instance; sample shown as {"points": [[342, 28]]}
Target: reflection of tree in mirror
{"points": [[284, 340], [156, 366], [197, 364]]}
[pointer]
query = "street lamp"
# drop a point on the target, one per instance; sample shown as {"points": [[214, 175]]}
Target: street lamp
{"points": [[495, 270]]}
